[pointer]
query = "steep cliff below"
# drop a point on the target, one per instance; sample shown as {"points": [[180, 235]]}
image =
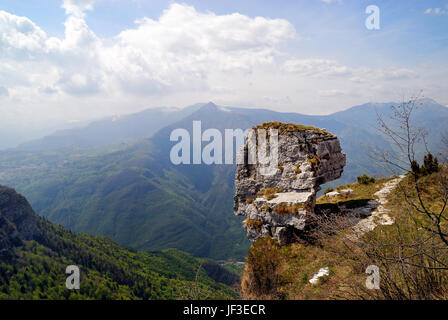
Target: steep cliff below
{"points": [[279, 204]]}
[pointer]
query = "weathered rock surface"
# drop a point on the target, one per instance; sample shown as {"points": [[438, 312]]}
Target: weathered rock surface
{"points": [[332, 194], [346, 192], [278, 204], [17, 219]]}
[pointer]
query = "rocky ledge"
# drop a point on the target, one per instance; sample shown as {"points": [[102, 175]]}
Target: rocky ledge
{"points": [[278, 204]]}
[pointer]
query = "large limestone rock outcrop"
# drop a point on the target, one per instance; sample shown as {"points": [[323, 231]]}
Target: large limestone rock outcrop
{"points": [[278, 204]]}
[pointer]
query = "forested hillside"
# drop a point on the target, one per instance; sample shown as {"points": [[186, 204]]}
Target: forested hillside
{"points": [[33, 264]]}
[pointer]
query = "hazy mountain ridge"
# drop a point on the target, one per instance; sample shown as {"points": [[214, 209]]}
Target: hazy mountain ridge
{"points": [[111, 130]]}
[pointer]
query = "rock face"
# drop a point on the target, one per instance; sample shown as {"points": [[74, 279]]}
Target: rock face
{"points": [[278, 204], [17, 219]]}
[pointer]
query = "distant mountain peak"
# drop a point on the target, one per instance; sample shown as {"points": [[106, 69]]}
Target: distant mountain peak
{"points": [[428, 100], [210, 105]]}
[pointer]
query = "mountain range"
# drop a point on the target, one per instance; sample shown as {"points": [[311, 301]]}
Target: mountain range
{"points": [[115, 177]]}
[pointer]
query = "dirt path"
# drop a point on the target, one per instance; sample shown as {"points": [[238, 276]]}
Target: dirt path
{"points": [[379, 215]]}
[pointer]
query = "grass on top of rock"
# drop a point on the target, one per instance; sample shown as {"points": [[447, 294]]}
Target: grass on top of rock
{"points": [[289, 127], [361, 191], [314, 161], [284, 209], [253, 223], [269, 193], [297, 170]]}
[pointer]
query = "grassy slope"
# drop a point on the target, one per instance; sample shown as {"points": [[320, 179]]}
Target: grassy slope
{"points": [[297, 263]]}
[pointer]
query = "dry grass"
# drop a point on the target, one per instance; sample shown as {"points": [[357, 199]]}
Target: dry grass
{"points": [[280, 167], [413, 261], [297, 263], [285, 209], [261, 278], [289, 127], [297, 170], [254, 224], [315, 161], [269, 193]]}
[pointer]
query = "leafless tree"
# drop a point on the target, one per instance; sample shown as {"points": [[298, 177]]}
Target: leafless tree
{"points": [[195, 290], [413, 254], [444, 148], [407, 138]]}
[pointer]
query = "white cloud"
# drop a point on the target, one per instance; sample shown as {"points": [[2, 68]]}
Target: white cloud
{"points": [[180, 51], [19, 36], [182, 57], [330, 93], [158, 51], [4, 92], [395, 74], [316, 67], [156, 56], [437, 11], [330, 68], [77, 7], [331, 1]]}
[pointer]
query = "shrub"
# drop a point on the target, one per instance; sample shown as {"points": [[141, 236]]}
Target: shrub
{"points": [[254, 224], [430, 165], [365, 179], [261, 278], [328, 190]]}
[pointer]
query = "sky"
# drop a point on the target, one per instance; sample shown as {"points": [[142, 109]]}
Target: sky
{"points": [[75, 60]]}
